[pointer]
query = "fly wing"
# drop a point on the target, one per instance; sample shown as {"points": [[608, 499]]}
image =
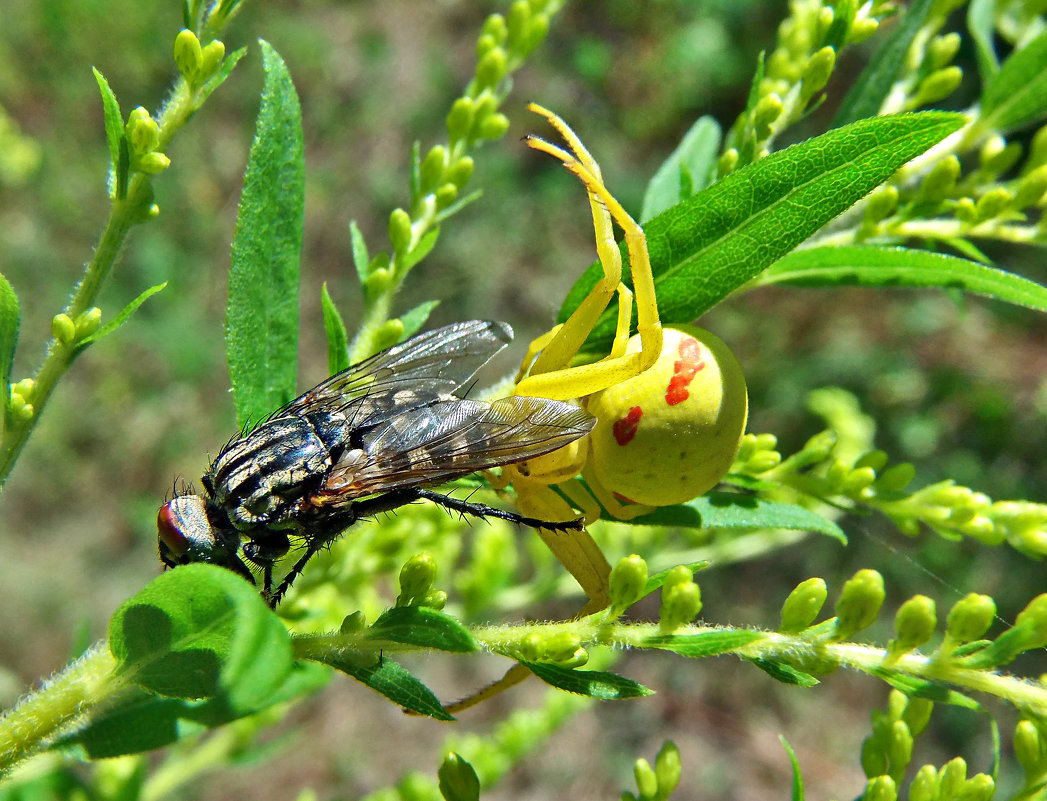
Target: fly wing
{"points": [[416, 372], [451, 438]]}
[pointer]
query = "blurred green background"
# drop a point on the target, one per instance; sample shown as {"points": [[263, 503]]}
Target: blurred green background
{"points": [[956, 385]]}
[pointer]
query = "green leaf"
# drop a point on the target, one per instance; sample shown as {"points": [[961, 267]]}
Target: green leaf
{"points": [[874, 84], [695, 158], [337, 336], [423, 627], [797, 789], [262, 314], [141, 721], [883, 267], [114, 135], [923, 688], [121, 318], [421, 250], [597, 684], [224, 70], [707, 643], [201, 631], [707, 247], [361, 258], [10, 321], [980, 23], [735, 510], [785, 673], [387, 678], [415, 318], [1017, 94]]}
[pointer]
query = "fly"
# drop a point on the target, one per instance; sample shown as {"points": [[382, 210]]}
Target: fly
{"points": [[367, 440]]}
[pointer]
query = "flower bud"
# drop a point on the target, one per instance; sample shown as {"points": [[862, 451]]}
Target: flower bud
{"points": [[951, 778], [431, 172], [768, 109], [213, 55], [943, 49], [435, 599], [859, 603], [188, 55], [1033, 621], [491, 68], [899, 745], [353, 623], [495, 27], [917, 714], [881, 204], [416, 578], [880, 788], [1029, 748], [460, 172], [494, 126], [400, 231], [802, 606], [924, 786], [627, 582], [727, 163], [460, 119], [896, 478], [87, 322], [681, 604], [63, 329], [1031, 188], [646, 780], [457, 779], [914, 624], [862, 29], [970, 618], [565, 649], [152, 163], [992, 204], [667, 768], [939, 84], [858, 480], [941, 180], [818, 70], [446, 195], [518, 22], [143, 134], [979, 787]]}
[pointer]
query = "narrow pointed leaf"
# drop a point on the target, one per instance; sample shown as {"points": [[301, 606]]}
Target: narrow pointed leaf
{"points": [[875, 82], [785, 673], [883, 267], [262, 313], [735, 510], [337, 337], [982, 26], [707, 247], [694, 159], [415, 318], [597, 684], [223, 72], [10, 320], [1017, 94], [387, 678], [658, 579], [114, 136], [797, 789], [422, 627], [121, 318], [707, 643]]}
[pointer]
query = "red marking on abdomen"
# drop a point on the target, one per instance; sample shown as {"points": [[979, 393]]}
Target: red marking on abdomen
{"points": [[684, 370], [625, 429]]}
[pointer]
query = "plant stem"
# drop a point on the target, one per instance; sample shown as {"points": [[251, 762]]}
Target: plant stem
{"points": [[35, 720]]}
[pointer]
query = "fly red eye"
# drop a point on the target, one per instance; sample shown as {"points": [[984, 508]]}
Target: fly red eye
{"points": [[169, 530]]}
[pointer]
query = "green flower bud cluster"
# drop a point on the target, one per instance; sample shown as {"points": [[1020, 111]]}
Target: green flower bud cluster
{"points": [[681, 600], [68, 332], [657, 783], [946, 507], [950, 783], [20, 401], [197, 62], [859, 604], [561, 647], [143, 139]]}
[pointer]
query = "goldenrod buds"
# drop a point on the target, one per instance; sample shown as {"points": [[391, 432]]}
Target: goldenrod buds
{"points": [[970, 618], [63, 329], [196, 63], [859, 603], [457, 779], [400, 231], [143, 137], [681, 600], [416, 579], [913, 625], [626, 583], [802, 606]]}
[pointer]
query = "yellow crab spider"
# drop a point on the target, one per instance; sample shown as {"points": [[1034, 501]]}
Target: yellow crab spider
{"points": [[671, 406]]}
